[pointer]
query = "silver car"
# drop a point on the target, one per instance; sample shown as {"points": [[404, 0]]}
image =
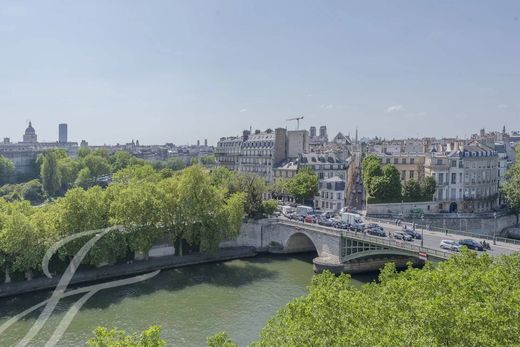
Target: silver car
{"points": [[450, 245]]}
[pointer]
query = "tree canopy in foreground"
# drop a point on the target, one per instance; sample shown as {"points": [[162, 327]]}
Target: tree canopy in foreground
{"points": [[468, 300]]}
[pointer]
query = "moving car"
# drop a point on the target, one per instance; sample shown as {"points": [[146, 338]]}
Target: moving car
{"points": [[309, 219], [376, 232], [413, 233], [339, 224], [450, 245], [471, 244], [403, 236]]}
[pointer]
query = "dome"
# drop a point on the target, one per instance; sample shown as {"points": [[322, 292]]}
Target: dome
{"points": [[30, 130]]}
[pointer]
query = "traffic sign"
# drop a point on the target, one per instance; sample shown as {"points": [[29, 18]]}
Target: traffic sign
{"points": [[423, 256]]}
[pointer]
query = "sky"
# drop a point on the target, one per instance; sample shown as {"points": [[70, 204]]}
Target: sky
{"points": [[177, 71]]}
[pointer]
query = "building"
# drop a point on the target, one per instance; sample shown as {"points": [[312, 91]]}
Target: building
{"points": [[410, 166], [227, 152], [297, 142], [62, 132], [466, 177], [30, 135], [331, 195], [23, 154], [261, 152]]}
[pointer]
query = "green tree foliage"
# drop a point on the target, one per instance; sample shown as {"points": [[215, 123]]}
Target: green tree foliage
{"points": [[468, 300], [278, 188], [253, 187], [50, 174], [304, 185], [119, 338], [412, 190], [370, 167], [394, 181], [208, 160], [33, 192], [97, 164], [220, 340], [269, 206], [83, 152], [428, 187], [511, 189], [6, 169], [122, 159]]}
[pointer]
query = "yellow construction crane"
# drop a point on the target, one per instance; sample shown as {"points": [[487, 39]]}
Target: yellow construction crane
{"points": [[297, 119]]}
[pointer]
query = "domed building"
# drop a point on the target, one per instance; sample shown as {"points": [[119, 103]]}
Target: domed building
{"points": [[30, 135]]}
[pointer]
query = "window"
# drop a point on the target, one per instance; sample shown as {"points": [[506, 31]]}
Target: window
{"points": [[412, 160], [412, 174], [441, 178], [403, 175], [453, 178], [388, 160], [403, 161], [396, 161], [453, 163], [439, 161]]}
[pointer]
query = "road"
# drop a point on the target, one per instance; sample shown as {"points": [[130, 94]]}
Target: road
{"points": [[432, 240]]}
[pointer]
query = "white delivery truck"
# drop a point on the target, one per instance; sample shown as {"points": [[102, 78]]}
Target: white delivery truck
{"points": [[354, 220], [304, 210]]}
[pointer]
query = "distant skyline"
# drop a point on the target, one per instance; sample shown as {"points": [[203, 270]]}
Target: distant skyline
{"points": [[178, 71]]}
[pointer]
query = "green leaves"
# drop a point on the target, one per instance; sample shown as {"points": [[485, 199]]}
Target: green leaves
{"points": [[6, 169], [468, 300], [304, 185], [511, 189], [119, 338]]}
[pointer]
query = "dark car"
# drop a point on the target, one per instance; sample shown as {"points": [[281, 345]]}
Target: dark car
{"points": [[325, 222], [341, 225], [471, 244], [403, 236], [413, 233], [376, 232]]}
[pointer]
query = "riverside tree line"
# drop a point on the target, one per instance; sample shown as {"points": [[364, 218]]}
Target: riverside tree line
{"points": [[192, 208]]}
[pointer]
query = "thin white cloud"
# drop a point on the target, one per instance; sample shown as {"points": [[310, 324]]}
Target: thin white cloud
{"points": [[502, 106], [327, 107], [395, 108], [243, 110]]}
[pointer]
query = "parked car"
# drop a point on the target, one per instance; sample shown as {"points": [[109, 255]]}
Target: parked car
{"points": [[413, 233], [450, 245], [296, 217], [471, 244], [403, 236]]}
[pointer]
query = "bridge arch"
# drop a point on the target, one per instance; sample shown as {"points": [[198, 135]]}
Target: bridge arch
{"points": [[300, 242]]}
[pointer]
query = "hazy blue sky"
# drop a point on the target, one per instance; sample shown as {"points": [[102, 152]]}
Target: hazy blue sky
{"points": [[177, 71]]}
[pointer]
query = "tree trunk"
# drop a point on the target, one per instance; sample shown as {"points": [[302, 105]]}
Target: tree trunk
{"points": [[29, 275]]}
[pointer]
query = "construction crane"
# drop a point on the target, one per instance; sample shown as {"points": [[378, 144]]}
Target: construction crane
{"points": [[297, 119]]}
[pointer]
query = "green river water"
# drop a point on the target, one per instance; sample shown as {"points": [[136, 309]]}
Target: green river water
{"points": [[189, 303]]}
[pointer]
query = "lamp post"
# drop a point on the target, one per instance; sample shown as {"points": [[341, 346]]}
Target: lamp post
{"points": [[422, 230], [495, 228]]}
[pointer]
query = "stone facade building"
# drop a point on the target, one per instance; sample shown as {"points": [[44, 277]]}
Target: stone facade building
{"points": [[331, 195]]}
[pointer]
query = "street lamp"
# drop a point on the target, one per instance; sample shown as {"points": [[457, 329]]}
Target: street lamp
{"points": [[495, 228], [422, 230]]}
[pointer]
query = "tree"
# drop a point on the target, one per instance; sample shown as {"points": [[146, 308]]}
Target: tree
{"points": [[428, 187], [269, 207], [511, 189], [370, 167], [278, 188], [119, 338], [304, 185], [68, 169], [33, 192], [50, 174], [394, 182], [97, 164], [122, 159], [412, 190], [84, 179], [6, 169], [469, 300], [253, 187], [220, 340]]}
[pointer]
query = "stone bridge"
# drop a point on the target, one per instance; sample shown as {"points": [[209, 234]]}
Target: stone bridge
{"points": [[338, 250]]}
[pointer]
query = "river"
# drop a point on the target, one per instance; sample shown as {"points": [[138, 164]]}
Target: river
{"points": [[189, 303]]}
